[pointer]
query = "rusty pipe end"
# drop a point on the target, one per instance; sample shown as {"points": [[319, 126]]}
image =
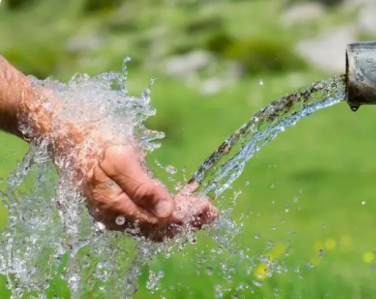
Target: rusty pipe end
{"points": [[361, 74]]}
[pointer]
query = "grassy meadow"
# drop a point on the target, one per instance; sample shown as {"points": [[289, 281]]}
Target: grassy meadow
{"points": [[313, 188]]}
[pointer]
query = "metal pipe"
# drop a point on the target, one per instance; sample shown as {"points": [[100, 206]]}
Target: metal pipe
{"points": [[361, 74]]}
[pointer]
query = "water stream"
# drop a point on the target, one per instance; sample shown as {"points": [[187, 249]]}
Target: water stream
{"points": [[44, 246], [226, 164]]}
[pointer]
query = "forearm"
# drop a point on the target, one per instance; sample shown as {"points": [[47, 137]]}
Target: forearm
{"points": [[22, 104], [13, 88], [33, 113]]}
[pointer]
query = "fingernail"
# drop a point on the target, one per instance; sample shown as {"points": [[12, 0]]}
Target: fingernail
{"points": [[164, 208]]}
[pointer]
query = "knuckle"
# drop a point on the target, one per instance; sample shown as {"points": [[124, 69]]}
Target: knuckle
{"points": [[142, 193], [105, 201]]}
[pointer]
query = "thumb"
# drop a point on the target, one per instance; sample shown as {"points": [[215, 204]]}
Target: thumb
{"points": [[122, 164]]}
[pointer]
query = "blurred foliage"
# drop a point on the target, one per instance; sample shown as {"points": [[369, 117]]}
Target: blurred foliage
{"points": [[259, 54], [101, 5], [18, 4], [88, 5], [110, 29], [325, 2]]}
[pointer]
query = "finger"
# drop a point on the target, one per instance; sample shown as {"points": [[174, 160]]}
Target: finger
{"points": [[122, 164], [207, 215], [112, 201], [188, 191], [191, 187], [100, 189]]}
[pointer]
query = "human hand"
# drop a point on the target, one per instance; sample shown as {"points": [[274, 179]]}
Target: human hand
{"points": [[118, 185], [111, 173]]}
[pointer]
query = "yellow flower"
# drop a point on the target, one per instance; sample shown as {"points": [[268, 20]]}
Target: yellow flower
{"points": [[261, 271], [330, 244], [368, 257]]}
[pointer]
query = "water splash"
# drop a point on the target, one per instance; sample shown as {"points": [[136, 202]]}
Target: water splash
{"points": [[226, 164], [51, 236]]}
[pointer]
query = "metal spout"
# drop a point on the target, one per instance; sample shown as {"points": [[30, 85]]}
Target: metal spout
{"points": [[361, 74]]}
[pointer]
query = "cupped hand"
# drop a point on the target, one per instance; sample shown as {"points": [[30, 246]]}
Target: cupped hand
{"points": [[124, 197]]}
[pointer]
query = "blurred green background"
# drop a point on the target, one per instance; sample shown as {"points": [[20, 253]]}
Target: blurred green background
{"points": [[216, 64]]}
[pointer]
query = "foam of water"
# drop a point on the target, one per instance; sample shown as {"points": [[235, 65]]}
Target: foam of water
{"points": [[51, 236]]}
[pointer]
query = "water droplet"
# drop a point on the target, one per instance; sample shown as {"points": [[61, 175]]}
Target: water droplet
{"points": [[321, 252], [209, 270], [74, 281], [269, 245], [272, 186], [257, 236], [178, 186], [111, 183], [171, 169], [354, 108], [253, 128], [152, 81], [125, 74], [154, 280], [120, 220], [99, 227], [246, 183], [287, 208], [257, 283], [261, 82], [364, 202], [308, 265]]}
